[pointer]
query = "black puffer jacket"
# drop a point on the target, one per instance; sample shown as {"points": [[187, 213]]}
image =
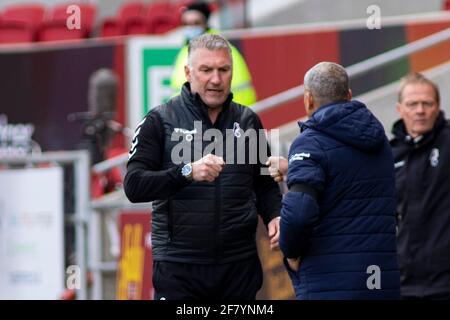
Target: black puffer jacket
{"points": [[423, 209], [200, 222]]}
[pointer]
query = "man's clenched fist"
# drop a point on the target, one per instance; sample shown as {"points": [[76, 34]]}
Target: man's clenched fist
{"points": [[207, 168], [278, 167]]}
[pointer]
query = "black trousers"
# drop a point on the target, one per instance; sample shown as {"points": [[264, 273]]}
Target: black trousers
{"points": [[238, 280]]}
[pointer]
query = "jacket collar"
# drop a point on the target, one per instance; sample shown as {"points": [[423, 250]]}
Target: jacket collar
{"points": [[305, 124], [400, 133], [195, 102]]}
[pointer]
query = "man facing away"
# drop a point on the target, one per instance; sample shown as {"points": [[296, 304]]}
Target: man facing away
{"points": [[422, 167], [205, 211], [337, 229]]}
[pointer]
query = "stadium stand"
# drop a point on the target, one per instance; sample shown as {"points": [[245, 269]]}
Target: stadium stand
{"points": [[446, 5], [55, 28], [19, 23], [34, 22], [115, 26]]}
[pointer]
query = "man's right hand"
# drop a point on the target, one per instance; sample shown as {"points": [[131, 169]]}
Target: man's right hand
{"points": [[278, 167], [207, 168]]}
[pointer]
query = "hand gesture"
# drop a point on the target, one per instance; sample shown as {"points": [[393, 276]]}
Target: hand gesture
{"points": [[207, 168], [278, 167]]}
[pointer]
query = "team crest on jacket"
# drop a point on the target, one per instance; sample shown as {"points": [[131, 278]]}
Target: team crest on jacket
{"points": [[237, 131], [434, 157]]}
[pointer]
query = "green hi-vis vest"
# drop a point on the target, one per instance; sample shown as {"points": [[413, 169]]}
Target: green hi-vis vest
{"points": [[241, 84]]}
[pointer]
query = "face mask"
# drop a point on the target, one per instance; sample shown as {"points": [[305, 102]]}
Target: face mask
{"points": [[190, 32]]}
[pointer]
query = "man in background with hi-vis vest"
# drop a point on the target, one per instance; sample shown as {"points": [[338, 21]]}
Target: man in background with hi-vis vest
{"points": [[195, 19]]}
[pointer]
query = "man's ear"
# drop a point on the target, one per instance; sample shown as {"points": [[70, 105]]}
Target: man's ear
{"points": [[187, 73], [398, 108], [349, 95], [309, 102]]}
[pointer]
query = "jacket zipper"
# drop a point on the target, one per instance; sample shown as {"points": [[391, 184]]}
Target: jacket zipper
{"points": [[218, 209], [170, 219]]}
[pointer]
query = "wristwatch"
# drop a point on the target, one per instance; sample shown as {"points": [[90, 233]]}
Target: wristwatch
{"points": [[186, 171]]}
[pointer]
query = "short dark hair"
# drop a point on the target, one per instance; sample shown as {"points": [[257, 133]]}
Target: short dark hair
{"points": [[201, 7], [417, 78], [327, 82]]}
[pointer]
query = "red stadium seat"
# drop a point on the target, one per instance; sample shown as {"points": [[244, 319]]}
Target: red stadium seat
{"points": [[87, 11], [446, 5], [158, 18], [162, 22], [125, 21], [136, 26], [11, 32], [131, 10], [57, 30], [138, 18], [31, 15], [159, 7], [111, 28], [130, 16], [56, 27], [20, 22]]}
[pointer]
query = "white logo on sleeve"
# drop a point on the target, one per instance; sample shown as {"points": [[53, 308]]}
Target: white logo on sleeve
{"points": [[135, 140], [399, 164], [299, 156], [434, 157]]}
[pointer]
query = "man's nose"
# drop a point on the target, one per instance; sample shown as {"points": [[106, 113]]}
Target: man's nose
{"points": [[420, 108], [215, 77]]}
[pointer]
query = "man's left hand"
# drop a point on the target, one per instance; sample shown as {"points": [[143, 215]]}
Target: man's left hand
{"points": [[274, 233]]}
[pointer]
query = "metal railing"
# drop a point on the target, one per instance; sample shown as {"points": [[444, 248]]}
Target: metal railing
{"points": [[81, 163], [359, 68], [112, 202]]}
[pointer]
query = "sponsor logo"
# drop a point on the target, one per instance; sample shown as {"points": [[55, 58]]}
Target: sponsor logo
{"points": [[299, 156], [188, 134], [399, 164]]}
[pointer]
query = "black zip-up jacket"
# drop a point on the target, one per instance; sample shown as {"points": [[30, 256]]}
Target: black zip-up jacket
{"points": [[422, 167], [200, 222]]}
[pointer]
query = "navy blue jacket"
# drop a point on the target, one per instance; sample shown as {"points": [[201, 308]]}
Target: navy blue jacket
{"points": [[345, 233]]}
